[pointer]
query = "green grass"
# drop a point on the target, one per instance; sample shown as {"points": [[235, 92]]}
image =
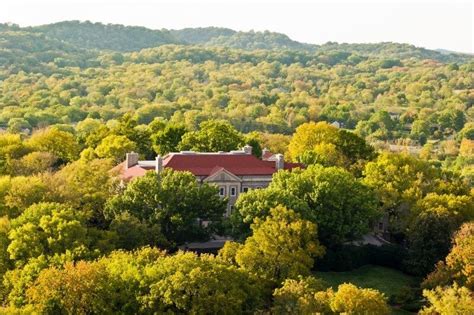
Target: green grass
{"points": [[386, 280]]}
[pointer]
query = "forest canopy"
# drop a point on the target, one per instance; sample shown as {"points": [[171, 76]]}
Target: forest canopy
{"points": [[381, 136]]}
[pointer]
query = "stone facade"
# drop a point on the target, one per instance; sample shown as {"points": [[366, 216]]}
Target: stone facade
{"points": [[232, 172]]}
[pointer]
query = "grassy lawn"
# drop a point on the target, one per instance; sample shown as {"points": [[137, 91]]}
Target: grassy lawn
{"points": [[386, 280]]}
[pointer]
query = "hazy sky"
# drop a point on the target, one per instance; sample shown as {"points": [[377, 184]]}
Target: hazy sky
{"points": [[432, 24]]}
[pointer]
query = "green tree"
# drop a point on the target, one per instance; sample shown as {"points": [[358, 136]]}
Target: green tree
{"points": [[47, 229], [430, 232], [174, 201], [81, 288], [299, 297], [115, 147], [401, 180], [428, 240], [133, 233], [420, 130], [341, 205], [168, 139], [213, 136], [60, 143], [186, 283], [85, 185], [34, 163], [17, 125], [282, 246], [257, 203], [18, 193]]}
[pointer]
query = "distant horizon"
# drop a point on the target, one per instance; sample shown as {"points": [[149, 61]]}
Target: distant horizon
{"points": [[435, 25], [441, 49]]}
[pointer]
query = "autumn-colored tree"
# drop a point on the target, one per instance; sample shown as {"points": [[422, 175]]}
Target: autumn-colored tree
{"points": [[47, 229], [82, 288], [328, 145], [282, 246], [187, 283], [350, 299], [18, 193], [454, 300], [61, 144], [299, 297], [458, 266], [34, 163], [115, 147]]}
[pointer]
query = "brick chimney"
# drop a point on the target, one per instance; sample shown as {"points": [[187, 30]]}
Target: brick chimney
{"points": [[158, 164], [247, 149], [131, 159], [279, 161]]}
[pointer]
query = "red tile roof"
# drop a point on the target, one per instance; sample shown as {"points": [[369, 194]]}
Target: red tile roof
{"points": [[205, 164], [208, 164], [128, 174]]}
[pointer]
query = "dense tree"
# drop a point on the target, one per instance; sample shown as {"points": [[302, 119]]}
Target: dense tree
{"points": [[350, 299], [300, 297], [33, 163], [168, 139], [327, 145], [430, 232], [47, 229], [82, 288], [401, 180], [257, 203], [74, 91], [133, 233], [307, 296], [458, 266], [199, 285], [174, 201], [18, 193], [341, 205], [11, 147], [213, 136], [85, 185], [282, 246], [450, 300], [115, 147], [60, 143]]}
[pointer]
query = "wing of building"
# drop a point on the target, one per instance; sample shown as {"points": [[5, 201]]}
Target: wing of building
{"points": [[232, 172]]}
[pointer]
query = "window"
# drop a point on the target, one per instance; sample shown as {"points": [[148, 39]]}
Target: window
{"points": [[222, 191], [233, 191], [245, 189]]}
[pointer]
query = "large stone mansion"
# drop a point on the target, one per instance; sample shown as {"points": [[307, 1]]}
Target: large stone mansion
{"points": [[232, 172]]}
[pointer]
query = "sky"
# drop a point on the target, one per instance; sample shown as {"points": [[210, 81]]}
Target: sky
{"points": [[446, 24]]}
